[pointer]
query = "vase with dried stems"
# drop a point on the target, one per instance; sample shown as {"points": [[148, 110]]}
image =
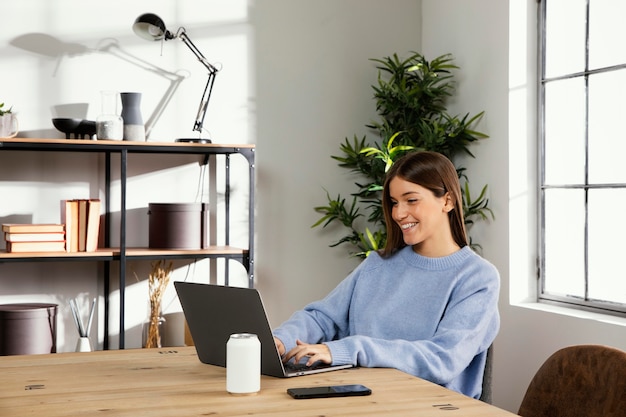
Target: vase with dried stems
{"points": [[157, 283]]}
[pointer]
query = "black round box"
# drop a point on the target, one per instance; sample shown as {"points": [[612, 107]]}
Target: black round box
{"points": [[177, 225], [28, 328]]}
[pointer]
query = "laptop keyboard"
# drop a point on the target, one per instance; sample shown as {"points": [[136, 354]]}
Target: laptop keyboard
{"points": [[299, 367]]}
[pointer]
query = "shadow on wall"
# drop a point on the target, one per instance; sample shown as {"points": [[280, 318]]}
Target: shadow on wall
{"points": [[14, 218], [51, 47]]}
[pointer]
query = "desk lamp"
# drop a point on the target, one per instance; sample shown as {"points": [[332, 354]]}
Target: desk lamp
{"points": [[151, 27]]}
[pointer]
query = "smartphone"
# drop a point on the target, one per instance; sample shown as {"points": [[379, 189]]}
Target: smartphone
{"points": [[331, 391]]}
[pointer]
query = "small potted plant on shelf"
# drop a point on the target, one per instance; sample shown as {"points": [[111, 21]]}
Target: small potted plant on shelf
{"points": [[4, 111], [8, 122]]}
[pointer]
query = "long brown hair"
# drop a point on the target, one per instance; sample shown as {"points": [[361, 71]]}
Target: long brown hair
{"points": [[435, 172]]}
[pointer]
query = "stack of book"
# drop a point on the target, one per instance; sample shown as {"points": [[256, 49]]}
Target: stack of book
{"points": [[78, 230], [82, 224], [34, 237]]}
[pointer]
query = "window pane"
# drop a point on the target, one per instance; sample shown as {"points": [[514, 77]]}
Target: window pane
{"points": [[607, 245], [565, 37], [565, 131], [564, 242], [606, 28], [607, 110]]}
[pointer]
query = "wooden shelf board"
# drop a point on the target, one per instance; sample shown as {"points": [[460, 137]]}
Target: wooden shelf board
{"points": [[109, 253], [213, 250], [104, 253], [96, 145]]}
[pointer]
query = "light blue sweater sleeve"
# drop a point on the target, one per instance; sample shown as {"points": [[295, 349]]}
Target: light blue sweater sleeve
{"points": [[430, 317]]}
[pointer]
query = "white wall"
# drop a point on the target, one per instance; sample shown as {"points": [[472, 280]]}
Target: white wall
{"points": [[313, 84]]}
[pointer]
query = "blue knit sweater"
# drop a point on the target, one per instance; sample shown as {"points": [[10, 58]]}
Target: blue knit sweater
{"points": [[430, 317]]}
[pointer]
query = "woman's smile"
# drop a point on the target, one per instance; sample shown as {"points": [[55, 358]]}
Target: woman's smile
{"points": [[407, 226]]}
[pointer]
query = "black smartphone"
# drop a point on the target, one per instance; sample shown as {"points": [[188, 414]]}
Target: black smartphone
{"points": [[331, 391]]}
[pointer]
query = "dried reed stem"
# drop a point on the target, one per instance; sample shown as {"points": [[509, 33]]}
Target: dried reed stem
{"points": [[157, 283]]}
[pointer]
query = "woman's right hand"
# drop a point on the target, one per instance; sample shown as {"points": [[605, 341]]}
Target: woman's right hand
{"points": [[280, 346]]}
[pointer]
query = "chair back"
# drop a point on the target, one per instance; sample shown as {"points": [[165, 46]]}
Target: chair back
{"points": [[578, 381], [487, 392]]}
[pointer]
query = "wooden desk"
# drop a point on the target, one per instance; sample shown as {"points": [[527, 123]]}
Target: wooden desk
{"points": [[173, 382]]}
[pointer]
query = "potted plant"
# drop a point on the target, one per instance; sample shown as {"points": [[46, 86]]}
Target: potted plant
{"points": [[4, 111], [8, 122], [410, 99]]}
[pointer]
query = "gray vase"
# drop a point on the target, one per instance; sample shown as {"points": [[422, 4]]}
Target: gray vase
{"points": [[134, 129]]}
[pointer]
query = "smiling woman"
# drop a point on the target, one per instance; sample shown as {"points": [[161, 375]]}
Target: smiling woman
{"points": [[423, 188], [426, 304]]}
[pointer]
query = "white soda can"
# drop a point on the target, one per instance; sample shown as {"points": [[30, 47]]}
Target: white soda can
{"points": [[243, 364]]}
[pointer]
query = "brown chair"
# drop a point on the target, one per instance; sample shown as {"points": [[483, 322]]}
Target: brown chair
{"points": [[578, 381]]}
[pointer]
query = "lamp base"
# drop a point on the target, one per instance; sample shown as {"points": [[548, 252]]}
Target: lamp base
{"points": [[193, 140]]}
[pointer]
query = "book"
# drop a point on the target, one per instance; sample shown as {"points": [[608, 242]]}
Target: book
{"points": [[34, 237], [33, 227], [82, 224], [93, 225], [36, 246], [69, 216]]}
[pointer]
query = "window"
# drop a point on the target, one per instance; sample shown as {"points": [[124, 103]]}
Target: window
{"points": [[582, 113]]}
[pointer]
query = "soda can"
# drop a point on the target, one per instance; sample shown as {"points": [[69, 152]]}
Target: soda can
{"points": [[243, 364]]}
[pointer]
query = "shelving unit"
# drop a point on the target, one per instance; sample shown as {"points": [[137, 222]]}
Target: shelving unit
{"points": [[122, 254]]}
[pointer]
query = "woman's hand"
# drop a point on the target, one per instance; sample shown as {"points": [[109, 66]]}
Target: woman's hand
{"points": [[280, 346], [315, 353]]}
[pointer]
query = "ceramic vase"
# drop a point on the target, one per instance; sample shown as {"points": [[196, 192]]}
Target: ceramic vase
{"points": [[83, 344], [131, 114], [8, 126]]}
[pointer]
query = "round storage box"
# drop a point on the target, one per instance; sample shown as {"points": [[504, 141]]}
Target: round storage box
{"points": [[177, 225], [28, 328]]}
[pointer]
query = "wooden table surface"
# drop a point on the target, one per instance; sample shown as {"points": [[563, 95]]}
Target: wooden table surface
{"points": [[173, 382]]}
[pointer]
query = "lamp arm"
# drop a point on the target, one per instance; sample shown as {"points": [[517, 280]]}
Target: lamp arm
{"points": [[206, 95], [182, 34], [204, 103]]}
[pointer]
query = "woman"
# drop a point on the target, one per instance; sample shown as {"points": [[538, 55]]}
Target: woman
{"points": [[426, 304]]}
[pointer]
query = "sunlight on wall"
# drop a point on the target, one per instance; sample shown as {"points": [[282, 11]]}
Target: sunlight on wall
{"points": [[67, 59], [522, 173]]}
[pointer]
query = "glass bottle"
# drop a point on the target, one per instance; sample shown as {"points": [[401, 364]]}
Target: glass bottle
{"points": [[109, 124], [152, 332]]}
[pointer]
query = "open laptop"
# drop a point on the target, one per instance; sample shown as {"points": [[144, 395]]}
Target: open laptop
{"points": [[214, 312]]}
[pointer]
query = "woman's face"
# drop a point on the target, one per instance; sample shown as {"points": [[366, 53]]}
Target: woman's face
{"points": [[422, 217]]}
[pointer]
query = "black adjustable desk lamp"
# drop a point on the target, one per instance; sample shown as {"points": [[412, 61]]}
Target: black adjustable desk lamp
{"points": [[151, 27]]}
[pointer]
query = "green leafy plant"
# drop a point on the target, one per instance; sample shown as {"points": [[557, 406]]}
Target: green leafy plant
{"points": [[3, 111], [410, 99]]}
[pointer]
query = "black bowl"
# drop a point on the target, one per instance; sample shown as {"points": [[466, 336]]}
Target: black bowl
{"points": [[77, 127], [66, 125], [86, 128]]}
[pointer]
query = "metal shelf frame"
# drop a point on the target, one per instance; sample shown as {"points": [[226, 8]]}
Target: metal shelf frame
{"points": [[123, 253]]}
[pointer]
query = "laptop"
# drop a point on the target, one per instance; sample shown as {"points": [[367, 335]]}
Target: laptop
{"points": [[214, 312]]}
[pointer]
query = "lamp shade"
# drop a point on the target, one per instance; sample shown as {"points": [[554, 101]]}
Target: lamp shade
{"points": [[151, 27]]}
